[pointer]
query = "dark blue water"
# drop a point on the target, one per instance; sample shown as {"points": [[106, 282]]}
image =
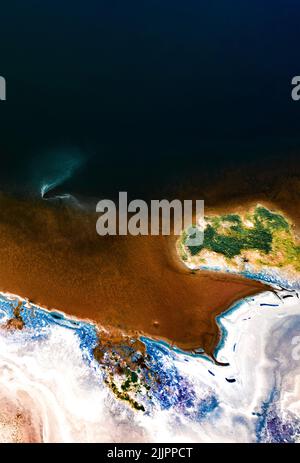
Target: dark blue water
{"points": [[138, 95]]}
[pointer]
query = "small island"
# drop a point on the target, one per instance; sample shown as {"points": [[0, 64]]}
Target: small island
{"points": [[256, 240]]}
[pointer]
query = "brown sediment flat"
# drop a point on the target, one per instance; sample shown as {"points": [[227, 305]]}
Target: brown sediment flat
{"points": [[52, 255], [19, 422]]}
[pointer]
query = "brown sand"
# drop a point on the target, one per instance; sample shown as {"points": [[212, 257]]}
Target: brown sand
{"points": [[19, 421], [53, 256]]}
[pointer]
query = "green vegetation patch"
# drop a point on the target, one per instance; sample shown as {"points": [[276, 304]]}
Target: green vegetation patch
{"points": [[229, 235], [270, 220]]}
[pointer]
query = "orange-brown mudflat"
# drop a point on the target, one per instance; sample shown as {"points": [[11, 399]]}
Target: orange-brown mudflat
{"points": [[53, 256]]}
